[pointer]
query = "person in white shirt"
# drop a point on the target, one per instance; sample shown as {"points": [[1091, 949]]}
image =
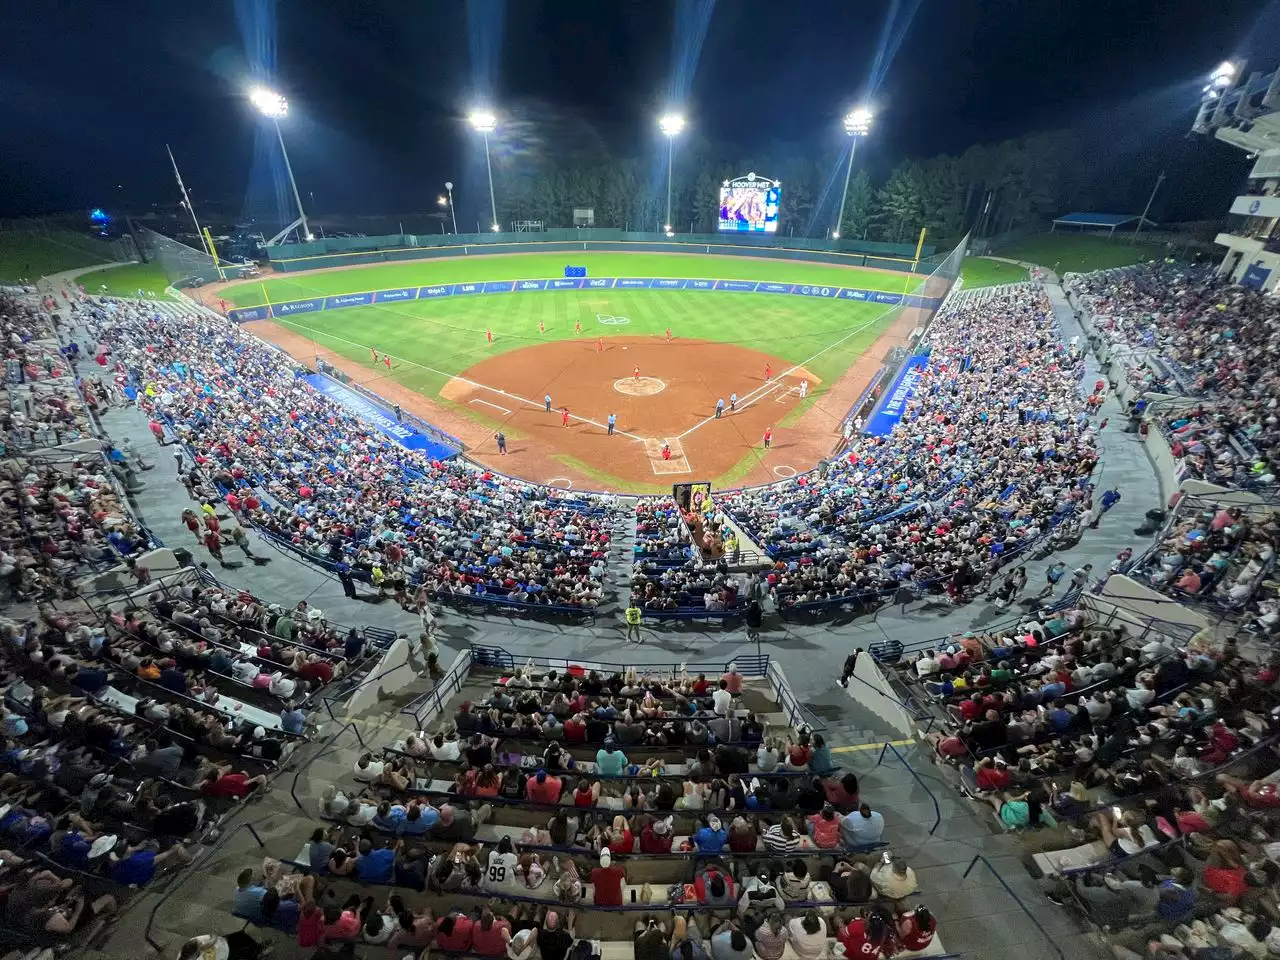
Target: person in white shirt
{"points": [[808, 936], [367, 769], [445, 749], [500, 872], [283, 686], [1141, 696], [245, 670], [722, 700], [926, 664]]}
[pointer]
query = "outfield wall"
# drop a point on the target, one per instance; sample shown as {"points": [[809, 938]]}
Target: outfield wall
{"points": [[288, 308], [352, 251]]}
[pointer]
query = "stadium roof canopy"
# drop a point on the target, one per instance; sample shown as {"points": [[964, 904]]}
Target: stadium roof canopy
{"points": [[1101, 221]]}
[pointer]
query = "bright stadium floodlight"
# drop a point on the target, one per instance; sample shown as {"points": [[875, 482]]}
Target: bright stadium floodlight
{"points": [[671, 124], [453, 211], [1224, 76], [485, 122], [274, 106], [441, 201], [857, 124]]}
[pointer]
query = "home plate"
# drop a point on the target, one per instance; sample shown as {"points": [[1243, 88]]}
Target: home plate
{"points": [[678, 463]]}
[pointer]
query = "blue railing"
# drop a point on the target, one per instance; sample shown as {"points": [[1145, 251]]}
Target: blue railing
{"points": [[1016, 899], [937, 811]]}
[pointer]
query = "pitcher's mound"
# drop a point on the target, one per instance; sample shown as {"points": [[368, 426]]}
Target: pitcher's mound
{"points": [[642, 387]]}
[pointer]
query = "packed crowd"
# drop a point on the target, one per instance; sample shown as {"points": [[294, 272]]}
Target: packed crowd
{"points": [[1143, 774], [994, 449], [1218, 555], [1217, 342], [304, 470]]}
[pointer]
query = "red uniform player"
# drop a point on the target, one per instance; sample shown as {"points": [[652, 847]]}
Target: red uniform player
{"points": [[668, 334], [223, 304], [488, 335], [542, 326], [387, 361], [577, 326], [635, 372], [768, 437], [666, 451], [768, 373], [599, 345], [564, 416]]}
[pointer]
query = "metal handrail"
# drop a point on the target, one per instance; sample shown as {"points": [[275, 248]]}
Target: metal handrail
{"points": [[306, 764], [1018, 900], [173, 888], [937, 810]]}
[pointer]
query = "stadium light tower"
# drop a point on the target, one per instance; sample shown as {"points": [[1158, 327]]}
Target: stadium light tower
{"points": [[273, 105], [485, 122], [857, 124], [671, 124], [448, 186]]}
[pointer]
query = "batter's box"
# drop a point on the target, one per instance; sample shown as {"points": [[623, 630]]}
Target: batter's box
{"points": [[678, 463]]}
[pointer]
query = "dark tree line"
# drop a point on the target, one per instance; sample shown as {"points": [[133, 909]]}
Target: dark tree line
{"points": [[990, 189]]}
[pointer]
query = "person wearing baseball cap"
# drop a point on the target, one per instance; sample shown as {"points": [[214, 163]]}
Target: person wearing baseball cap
{"points": [[608, 881], [656, 836], [712, 837]]}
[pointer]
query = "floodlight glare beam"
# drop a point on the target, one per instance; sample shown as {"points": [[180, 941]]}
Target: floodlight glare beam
{"points": [[671, 124], [857, 124], [272, 105], [485, 122]]}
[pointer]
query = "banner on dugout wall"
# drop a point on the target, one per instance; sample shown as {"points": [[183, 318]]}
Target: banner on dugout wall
{"points": [[380, 418], [890, 411], [482, 287]]}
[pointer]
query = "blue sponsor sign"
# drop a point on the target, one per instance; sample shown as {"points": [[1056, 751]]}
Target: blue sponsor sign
{"points": [[348, 300], [1255, 275], [440, 290], [461, 288], [593, 283], [668, 283], [499, 286], [813, 290], [634, 282], [378, 417], [848, 293], [246, 314], [531, 284], [561, 283], [773, 288], [404, 293], [888, 297], [894, 404], [741, 286], [699, 285], [297, 306]]}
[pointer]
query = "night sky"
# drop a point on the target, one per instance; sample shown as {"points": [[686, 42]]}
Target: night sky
{"points": [[378, 90]]}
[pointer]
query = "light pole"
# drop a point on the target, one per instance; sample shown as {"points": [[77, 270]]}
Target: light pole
{"points": [[271, 104], [671, 124], [486, 122], [857, 123], [454, 213], [1150, 200]]}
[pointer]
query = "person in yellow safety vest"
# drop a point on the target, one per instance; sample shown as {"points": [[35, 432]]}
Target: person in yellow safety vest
{"points": [[633, 622], [731, 547]]}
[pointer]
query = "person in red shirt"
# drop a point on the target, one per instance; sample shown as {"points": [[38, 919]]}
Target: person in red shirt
{"points": [[992, 774], [916, 929], [490, 935], [701, 685], [542, 787], [843, 793], [586, 794], [971, 709], [225, 782], [575, 729], [453, 933], [315, 671], [864, 938], [621, 841], [564, 416], [656, 837], [733, 680], [607, 880], [768, 437]]}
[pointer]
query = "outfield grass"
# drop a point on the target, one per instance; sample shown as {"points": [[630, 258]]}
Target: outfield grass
{"points": [[1080, 253], [533, 266], [984, 272], [126, 281], [432, 340], [30, 256]]}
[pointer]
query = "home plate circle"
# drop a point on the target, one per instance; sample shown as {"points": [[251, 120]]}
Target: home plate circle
{"points": [[639, 386]]}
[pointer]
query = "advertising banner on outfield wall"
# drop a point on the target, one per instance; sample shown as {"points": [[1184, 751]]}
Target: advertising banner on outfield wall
{"points": [[439, 290], [890, 412]]}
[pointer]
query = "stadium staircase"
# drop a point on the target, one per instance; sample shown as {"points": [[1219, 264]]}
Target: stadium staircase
{"points": [[617, 575]]}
